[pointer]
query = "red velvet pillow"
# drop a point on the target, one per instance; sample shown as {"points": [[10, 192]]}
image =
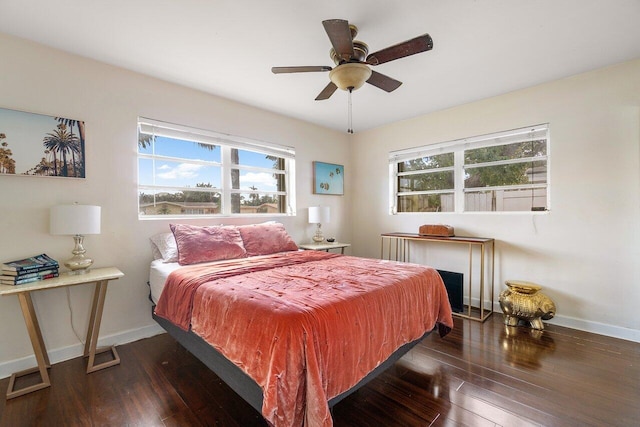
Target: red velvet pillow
{"points": [[208, 243], [267, 238]]}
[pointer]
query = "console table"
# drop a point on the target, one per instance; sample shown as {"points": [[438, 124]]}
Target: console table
{"points": [[99, 276], [402, 252]]}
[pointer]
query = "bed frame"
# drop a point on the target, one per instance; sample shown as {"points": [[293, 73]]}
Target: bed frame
{"points": [[244, 385]]}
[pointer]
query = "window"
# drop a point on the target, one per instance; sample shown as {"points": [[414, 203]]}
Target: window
{"points": [[501, 172], [187, 172], [426, 184]]}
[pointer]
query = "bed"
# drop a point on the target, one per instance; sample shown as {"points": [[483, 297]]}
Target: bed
{"points": [[292, 332]]}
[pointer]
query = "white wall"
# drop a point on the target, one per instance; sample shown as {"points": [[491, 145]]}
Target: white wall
{"points": [[584, 252], [46, 81]]}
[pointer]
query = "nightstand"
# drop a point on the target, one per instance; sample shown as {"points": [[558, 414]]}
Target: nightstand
{"points": [[99, 276], [324, 246]]}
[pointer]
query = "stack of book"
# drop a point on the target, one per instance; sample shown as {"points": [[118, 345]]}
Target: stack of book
{"points": [[32, 269]]}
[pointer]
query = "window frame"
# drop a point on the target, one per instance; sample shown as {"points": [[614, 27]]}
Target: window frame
{"points": [[458, 148], [226, 143]]}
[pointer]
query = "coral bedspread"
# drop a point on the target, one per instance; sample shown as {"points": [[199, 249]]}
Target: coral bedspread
{"points": [[306, 325]]}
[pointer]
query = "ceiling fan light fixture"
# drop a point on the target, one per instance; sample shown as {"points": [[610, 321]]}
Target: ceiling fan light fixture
{"points": [[350, 75]]}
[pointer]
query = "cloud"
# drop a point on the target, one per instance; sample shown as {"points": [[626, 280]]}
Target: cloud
{"points": [[182, 171], [262, 180]]}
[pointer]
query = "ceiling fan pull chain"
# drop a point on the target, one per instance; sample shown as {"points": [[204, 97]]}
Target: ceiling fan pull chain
{"points": [[350, 116]]}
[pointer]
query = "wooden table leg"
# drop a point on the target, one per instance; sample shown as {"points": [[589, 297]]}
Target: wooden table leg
{"points": [[93, 331], [39, 350]]}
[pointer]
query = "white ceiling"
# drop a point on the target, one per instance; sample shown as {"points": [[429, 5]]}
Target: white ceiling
{"points": [[482, 48]]}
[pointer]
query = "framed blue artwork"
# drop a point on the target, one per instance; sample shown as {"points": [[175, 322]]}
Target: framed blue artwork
{"points": [[328, 178]]}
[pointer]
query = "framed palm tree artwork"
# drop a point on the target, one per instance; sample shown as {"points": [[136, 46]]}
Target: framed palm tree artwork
{"points": [[328, 178], [39, 145]]}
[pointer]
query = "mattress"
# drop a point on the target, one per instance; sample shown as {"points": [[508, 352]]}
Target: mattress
{"points": [[158, 273]]}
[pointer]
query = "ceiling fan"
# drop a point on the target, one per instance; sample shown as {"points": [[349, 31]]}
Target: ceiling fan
{"points": [[352, 59]]}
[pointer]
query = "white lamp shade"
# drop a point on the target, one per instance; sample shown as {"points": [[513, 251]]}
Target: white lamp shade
{"points": [[74, 219], [319, 215]]}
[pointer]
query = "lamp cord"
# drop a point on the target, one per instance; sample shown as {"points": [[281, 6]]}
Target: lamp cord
{"points": [[71, 316]]}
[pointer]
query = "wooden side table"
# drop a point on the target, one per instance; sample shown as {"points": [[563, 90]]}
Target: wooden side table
{"points": [[99, 276], [324, 246]]}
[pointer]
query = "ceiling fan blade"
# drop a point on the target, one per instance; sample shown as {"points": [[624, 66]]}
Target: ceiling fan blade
{"points": [[383, 82], [327, 92], [303, 69], [419, 44], [340, 37]]}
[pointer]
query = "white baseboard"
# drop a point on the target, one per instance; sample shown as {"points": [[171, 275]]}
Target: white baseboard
{"points": [[586, 325], [76, 350], [596, 328]]}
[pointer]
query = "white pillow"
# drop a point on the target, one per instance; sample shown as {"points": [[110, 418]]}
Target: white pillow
{"points": [[154, 251], [165, 244]]}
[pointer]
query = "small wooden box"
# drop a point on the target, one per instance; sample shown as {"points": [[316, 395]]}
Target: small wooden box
{"points": [[436, 230]]}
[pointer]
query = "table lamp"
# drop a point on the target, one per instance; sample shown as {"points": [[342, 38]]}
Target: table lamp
{"points": [[75, 220], [318, 215]]}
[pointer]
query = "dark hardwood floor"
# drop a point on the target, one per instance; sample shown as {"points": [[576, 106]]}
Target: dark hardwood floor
{"points": [[479, 375]]}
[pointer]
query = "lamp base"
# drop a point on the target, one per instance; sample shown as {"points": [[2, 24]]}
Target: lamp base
{"points": [[77, 272], [78, 263], [318, 237]]}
